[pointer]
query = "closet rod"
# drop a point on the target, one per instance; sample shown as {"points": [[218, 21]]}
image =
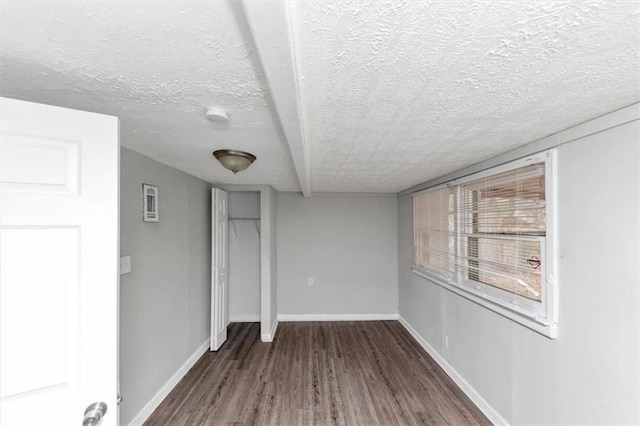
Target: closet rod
{"points": [[244, 218]]}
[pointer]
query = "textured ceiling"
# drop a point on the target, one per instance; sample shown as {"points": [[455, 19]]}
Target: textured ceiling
{"points": [[399, 92], [396, 92], [157, 66]]}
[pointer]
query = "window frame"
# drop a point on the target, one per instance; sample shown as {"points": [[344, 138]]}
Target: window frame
{"points": [[540, 316]]}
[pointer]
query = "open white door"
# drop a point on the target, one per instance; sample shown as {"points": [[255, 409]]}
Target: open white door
{"points": [[58, 263], [219, 268]]}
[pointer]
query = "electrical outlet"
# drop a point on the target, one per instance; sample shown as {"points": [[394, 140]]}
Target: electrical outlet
{"points": [[445, 341], [310, 281], [125, 265]]}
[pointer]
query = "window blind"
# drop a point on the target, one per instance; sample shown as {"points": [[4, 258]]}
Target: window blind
{"points": [[434, 226], [501, 224], [486, 234]]}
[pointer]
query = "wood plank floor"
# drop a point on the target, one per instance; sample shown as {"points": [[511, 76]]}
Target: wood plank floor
{"points": [[317, 373]]}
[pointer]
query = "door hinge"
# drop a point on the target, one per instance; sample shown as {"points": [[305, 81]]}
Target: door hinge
{"points": [[119, 399]]}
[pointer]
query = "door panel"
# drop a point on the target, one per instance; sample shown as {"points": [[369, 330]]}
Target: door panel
{"points": [[53, 164], [58, 263], [54, 283], [219, 269]]}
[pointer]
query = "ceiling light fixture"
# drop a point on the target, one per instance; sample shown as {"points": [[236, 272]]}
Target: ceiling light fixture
{"points": [[236, 161]]}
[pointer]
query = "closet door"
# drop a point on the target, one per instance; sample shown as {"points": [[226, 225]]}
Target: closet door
{"points": [[219, 268]]}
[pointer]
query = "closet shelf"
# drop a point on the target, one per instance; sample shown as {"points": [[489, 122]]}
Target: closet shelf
{"points": [[254, 219]]}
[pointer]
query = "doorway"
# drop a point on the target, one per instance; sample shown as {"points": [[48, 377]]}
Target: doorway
{"points": [[244, 256], [263, 221]]}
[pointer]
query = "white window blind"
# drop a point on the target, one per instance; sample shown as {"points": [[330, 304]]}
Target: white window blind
{"points": [[501, 221], [487, 234], [435, 232]]}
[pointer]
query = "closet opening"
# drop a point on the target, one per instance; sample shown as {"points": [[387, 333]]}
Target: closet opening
{"points": [[244, 256]]}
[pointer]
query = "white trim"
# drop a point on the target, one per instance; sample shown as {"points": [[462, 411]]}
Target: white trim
{"points": [[234, 187], [295, 38], [521, 317], [275, 32], [162, 393], [539, 157], [599, 124], [491, 413], [541, 317], [337, 317], [268, 337], [268, 257], [355, 194], [245, 318]]}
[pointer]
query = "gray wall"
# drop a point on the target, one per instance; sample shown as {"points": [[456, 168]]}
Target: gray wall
{"points": [[590, 373], [165, 300], [348, 244], [244, 257]]}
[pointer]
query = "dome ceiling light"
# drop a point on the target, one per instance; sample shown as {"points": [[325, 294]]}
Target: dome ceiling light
{"points": [[236, 161]]}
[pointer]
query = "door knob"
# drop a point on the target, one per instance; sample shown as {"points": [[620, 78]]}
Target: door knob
{"points": [[94, 413]]}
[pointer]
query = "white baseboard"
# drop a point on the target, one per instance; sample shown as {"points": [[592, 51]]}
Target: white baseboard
{"points": [[475, 397], [245, 318], [337, 317], [268, 337], [154, 402]]}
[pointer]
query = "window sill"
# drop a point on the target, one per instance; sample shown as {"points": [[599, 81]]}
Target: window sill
{"points": [[546, 329]]}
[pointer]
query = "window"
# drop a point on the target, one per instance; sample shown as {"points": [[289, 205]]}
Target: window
{"points": [[490, 237]]}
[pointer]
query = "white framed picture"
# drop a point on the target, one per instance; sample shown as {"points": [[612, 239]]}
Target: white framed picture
{"points": [[149, 203]]}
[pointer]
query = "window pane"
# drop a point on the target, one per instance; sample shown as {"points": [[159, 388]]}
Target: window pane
{"points": [[435, 231], [513, 265], [498, 215], [486, 234], [512, 202]]}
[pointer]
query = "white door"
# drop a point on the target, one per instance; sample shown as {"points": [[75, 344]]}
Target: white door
{"points": [[58, 263], [219, 268]]}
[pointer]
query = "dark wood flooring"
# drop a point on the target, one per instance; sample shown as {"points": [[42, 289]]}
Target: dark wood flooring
{"points": [[318, 373]]}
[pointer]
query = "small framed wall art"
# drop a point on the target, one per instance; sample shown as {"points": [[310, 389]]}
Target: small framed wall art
{"points": [[149, 203]]}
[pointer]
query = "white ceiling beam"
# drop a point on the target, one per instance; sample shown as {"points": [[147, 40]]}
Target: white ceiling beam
{"points": [[273, 27]]}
